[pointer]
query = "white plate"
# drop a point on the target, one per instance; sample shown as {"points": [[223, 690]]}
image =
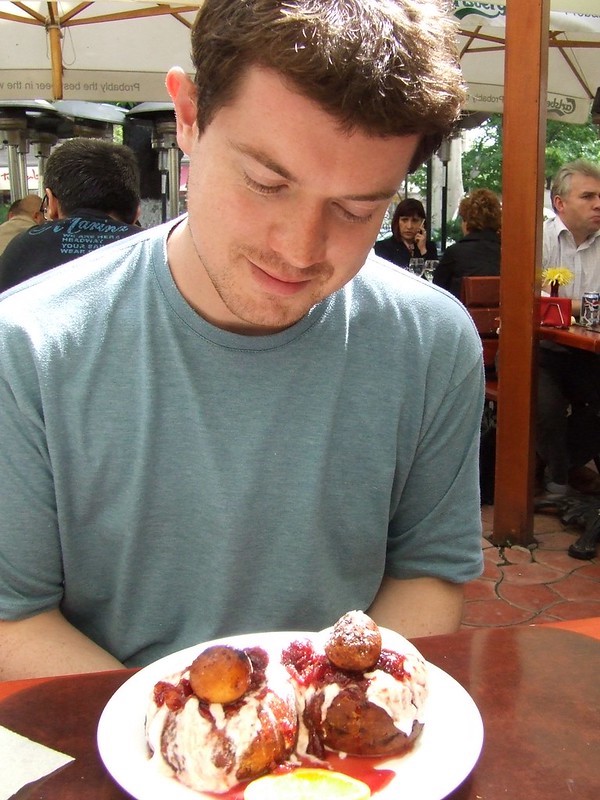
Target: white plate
{"points": [[442, 757]]}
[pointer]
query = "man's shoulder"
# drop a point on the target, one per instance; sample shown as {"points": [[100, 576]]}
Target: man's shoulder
{"points": [[19, 222], [394, 286], [553, 226], [70, 282], [17, 245]]}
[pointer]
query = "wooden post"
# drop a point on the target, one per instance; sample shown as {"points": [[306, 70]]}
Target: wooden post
{"points": [[524, 130], [54, 37]]}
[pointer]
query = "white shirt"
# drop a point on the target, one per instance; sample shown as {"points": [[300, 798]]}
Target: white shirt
{"points": [[560, 250]]}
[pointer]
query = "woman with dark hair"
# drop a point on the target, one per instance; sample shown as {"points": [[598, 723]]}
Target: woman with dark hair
{"points": [[478, 252], [409, 237]]}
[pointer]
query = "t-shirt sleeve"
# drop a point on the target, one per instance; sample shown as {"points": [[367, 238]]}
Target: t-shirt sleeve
{"points": [[435, 528], [30, 562]]}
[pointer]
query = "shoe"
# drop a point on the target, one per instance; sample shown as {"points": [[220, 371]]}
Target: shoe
{"points": [[582, 550], [585, 547], [554, 491]]}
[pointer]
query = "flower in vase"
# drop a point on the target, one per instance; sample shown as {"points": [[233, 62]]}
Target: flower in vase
{"points": [[555, 277]]}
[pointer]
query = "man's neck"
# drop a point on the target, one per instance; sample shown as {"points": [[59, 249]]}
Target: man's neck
{"points": [[580, 236]]}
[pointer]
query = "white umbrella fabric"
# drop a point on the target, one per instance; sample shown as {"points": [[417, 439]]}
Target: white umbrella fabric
{"points": [[573, 56], [120, 50], [101, 51]]}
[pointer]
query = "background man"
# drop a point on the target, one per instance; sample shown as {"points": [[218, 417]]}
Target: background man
{"points": [[92, 198], [22, 215], [568, 425], [572, 237], [242, 419]]}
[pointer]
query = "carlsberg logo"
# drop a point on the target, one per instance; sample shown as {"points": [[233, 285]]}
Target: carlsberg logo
{"points": [[561, 107], [462, 9]]}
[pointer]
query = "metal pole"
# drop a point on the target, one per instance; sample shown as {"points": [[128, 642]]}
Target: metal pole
{"points": [[174, 179], [444, 227], [11, 132], [164, 139], [42, 144], [444, 155]]}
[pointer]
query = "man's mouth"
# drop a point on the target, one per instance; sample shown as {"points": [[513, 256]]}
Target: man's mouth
{"points": [[277, 284]]}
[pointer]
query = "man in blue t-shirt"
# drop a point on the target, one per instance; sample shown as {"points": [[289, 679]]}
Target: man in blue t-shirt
{"points": [[244, 420], [92, 198]]}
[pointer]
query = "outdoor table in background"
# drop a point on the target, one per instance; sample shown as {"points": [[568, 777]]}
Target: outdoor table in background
{"points": [[575, 336], [512, 499], [536, 687]]}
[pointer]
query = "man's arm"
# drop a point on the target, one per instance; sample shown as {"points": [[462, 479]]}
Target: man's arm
{"points": [[418, 607], [47, 644]]}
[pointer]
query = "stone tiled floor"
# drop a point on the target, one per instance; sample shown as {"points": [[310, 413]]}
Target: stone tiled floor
{"points": [[522, 586]]}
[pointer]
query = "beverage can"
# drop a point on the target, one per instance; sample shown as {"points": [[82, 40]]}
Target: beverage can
{"points": [[590, 309]]}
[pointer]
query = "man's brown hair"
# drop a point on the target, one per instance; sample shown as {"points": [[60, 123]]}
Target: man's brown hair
{"points": [[387, 67]]}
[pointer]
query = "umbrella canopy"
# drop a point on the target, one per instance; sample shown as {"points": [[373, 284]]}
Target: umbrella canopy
{"points": [[120, 50], [101, 51], [573, 56]]}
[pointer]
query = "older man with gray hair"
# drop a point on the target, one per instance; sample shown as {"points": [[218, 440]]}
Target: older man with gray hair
{"points": [[572, 237], [568, 421]]}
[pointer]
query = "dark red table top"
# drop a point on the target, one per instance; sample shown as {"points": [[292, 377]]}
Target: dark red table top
{"points": [[537, 688], [575, 336]]}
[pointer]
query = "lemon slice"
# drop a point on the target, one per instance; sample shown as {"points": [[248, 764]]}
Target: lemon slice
{"points": [[307, 784]]}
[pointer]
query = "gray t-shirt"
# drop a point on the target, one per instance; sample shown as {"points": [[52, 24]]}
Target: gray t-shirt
{"points": [[165, 482]]}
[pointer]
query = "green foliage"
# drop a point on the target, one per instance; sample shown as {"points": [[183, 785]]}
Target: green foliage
{"points": [[482, 165], [419, 179], [567, 142]]}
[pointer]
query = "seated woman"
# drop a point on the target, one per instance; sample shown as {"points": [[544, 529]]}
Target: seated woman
{"points": [[478, 252], [409, 236]]}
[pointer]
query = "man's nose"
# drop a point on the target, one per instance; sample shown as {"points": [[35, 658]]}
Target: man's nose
{"points": [[300, 237]]}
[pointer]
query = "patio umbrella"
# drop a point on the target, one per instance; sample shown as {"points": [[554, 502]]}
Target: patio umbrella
{"points": [[573, 57], [102, 51]]}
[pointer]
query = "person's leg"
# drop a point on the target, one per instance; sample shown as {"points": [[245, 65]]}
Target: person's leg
{"points": [[583, 439], [552, 422], [583, 383]]}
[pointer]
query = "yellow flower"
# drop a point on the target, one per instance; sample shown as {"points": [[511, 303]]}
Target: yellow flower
{"points": [[558, 275]]}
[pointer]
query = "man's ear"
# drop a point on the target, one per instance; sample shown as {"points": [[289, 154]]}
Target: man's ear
{"points": [[557, 203], [53, 210], [183, 94]]}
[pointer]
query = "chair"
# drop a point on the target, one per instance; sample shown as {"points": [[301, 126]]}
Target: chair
{"points": [[481, 297]]}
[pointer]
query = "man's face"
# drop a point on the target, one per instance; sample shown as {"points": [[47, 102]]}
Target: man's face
{"points": [[283, 205], [579, 208], [409, 227]]}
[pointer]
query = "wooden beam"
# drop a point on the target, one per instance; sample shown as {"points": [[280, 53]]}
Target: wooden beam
{"points": [[54, 38], [524, 130]]}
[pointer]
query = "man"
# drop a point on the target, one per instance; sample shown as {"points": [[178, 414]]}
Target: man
{"points": [[240, 420], [92, 198], [22, 215], [568, 426], [572, 237]]}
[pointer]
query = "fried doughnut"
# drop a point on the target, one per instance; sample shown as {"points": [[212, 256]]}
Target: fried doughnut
{"points": [[212, 746], [220, 674], [354, 643]]}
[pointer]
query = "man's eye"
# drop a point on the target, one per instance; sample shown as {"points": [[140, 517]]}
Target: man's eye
{"points": [[348, 215], [261, 188]]}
